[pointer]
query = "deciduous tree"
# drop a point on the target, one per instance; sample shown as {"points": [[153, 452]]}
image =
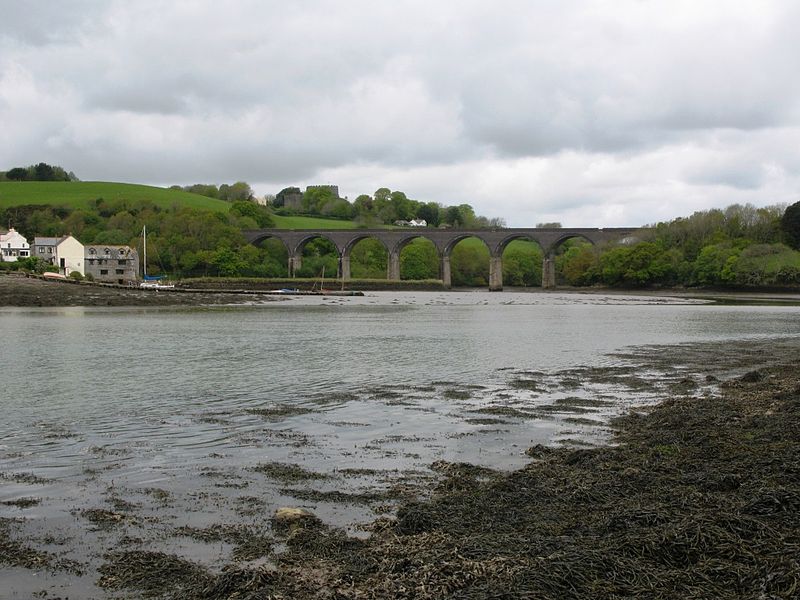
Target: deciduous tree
{"points": [[790, 225]]}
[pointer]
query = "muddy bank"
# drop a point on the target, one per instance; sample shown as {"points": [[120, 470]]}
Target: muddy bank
{"points": [[18, 290], [700, 498]]}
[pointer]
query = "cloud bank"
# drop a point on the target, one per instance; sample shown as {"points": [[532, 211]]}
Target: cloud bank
{"points": [[592, 113]]}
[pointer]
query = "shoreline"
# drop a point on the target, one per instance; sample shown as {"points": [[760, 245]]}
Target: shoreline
{"points": [[697, 497], [17, 290]]}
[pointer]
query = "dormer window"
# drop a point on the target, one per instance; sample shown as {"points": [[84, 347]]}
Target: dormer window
{"points": [[92, 251]]}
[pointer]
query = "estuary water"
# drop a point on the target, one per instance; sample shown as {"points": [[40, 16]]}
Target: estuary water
{"points": [[184, 382], [176, 411]]}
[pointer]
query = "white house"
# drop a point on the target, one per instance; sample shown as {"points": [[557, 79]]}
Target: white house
{"points": [[65, 252], [411, 223], [13, 246]]}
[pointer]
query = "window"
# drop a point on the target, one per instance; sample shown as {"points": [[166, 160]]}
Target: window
{"points": [[103, 271], [122, 261], [120, 271], [41, 250], [92, 251]]}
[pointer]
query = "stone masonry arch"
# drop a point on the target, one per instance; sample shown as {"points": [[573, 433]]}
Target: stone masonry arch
{"points": [[549, 264], [403, 241], [501, 247], [269, 235], [296, 252], [448, 250], [344, 260], [549, 239]]}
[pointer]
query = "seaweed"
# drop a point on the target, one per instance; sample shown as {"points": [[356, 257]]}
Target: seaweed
{"points": [[286, 473]]}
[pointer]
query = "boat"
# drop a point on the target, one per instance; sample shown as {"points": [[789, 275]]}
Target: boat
{"points": [[151, 282], [156, 285]]}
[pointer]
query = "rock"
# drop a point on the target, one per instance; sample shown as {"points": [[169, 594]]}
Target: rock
{"points": [[288, 515], [752, 377]]}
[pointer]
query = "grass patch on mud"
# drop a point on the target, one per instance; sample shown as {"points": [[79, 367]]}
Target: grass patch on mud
{"points": [[280, 411], [22, 502], [336, 496], [27, 478], [15, 553], [287, 473], [506, 411], [106, 520]]}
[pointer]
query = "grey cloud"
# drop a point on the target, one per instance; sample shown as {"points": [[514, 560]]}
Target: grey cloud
{"points": [[42, 22], [136, 99], [276, 91], [744, 176]]}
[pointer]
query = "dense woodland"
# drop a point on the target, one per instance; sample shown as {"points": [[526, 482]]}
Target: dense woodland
{"points": [[739, 246], [384, 207]]}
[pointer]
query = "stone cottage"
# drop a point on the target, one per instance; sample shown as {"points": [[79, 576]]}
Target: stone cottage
{"points": [[112, 264]]}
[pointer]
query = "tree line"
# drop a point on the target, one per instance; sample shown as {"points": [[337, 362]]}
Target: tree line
{"points": [[39, 172], [239, 191], [740, 245], [737, 246], [383, 207]]}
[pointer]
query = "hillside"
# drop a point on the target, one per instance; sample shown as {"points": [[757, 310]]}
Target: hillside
{"points": [[77, 194], [298, 222]]}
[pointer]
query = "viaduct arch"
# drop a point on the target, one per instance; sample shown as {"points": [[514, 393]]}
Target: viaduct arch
{"points": [[444, 240]]}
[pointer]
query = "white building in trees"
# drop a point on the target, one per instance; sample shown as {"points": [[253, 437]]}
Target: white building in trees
{"points": [[13, 246]]}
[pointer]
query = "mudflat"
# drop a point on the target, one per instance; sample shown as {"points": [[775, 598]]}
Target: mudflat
{"points": [[19, 290]]}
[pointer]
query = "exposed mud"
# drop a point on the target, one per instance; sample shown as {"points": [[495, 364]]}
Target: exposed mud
{"points": [[18, 290]]}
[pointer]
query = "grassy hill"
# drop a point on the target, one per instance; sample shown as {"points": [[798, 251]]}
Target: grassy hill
{"points": [[297, 222], [77, 194]]}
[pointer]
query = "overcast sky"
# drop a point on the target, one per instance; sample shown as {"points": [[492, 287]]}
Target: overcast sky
{"points": [[591, 113]]}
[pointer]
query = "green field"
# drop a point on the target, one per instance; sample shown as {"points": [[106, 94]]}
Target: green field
{"points": [[78, 194], [295, 222]]}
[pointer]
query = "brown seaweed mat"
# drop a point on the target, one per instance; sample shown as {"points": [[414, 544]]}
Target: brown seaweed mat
{"points": [[700, 498]]}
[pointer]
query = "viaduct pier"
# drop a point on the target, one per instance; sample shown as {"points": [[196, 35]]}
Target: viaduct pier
{"points": [[394, 240]]}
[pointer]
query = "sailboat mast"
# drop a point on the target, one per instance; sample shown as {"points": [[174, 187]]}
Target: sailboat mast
{"points": [[144, 248]]}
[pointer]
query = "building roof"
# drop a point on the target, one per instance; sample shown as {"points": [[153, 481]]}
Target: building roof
{"points": [[52, 241], [47, 241], [11, 234], [109, 246]]}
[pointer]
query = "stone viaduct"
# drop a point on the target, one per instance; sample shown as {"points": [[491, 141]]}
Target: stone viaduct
{"points": [[445, 240]]}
